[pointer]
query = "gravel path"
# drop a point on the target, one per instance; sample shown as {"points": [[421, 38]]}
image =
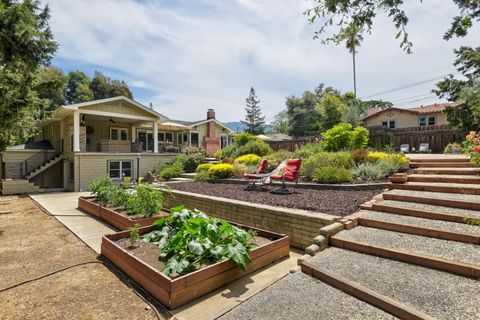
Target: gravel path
{"points": [[439, 294], [299, 296], [431, 208], [334, 202], [421, 222], [437, 195], [452, 250]]}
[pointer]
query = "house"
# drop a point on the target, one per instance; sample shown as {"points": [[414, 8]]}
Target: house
{"points": [[394, 118], [115, 136]]}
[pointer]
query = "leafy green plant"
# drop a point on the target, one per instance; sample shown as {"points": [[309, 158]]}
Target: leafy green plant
{"points": [[134, 233], [173, 170], [359, 138], [344, 137], [204, 167], [145, 201], [239, 169], [202, 176], [220, 171], [244, 138], [102, 188], [190, 162], [307, 150], [259, 148], [277, 157], [340, 159], [249, 159], [119, 197], [472, 221], [189, 239], [331, 174]]}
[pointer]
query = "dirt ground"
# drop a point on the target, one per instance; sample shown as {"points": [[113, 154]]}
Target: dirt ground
{"points": [[329, 201], [33, 244]]}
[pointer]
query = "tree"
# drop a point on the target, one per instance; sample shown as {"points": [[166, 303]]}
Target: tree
{"points": [[78, 88], [302, 115], [102, 87], [280, 123], [467, 115], [254, 120], [51, 87], [26, 44], [332, 110]]}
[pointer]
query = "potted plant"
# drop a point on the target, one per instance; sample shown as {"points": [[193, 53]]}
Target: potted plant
{"points": [[398, 178]]}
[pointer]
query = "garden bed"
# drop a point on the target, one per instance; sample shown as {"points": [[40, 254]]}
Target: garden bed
{"points": [[142, 265], [114, 216], [329, 201]]}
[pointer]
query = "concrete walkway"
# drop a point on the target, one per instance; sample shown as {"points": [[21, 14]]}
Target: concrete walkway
{"points": [[63, 206]]}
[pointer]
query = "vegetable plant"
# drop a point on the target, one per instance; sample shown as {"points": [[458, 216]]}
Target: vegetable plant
{"points": [[189, 239], [145, 201], [134, 234], [102, 188]]}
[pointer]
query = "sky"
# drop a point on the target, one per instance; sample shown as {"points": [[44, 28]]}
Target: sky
{"points": [[187, 56]]}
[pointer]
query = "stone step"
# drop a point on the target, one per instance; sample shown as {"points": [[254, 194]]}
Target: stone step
{"points": [[468, 179], [180, 179], [438, 294], [420, 226], [426, 211], [438, 187], [298, 296], [189, 175], [451, 256], [442, 165], [453, 200], [450, 171], [443, 159]]}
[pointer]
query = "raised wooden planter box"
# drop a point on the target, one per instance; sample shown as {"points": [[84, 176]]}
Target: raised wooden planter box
{"points": [[174, 292], [87, 204], [116, 219]]}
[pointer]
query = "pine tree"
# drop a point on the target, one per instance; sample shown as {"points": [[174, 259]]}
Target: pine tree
{"points": [[254, 120]]}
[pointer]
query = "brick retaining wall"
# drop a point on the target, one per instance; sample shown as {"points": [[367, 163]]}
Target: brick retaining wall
{"points": [[300, 225]]}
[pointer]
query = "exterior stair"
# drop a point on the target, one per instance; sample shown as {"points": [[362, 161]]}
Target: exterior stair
{"points": [[448, 170], [452, 200], [438, 187], [442, 164], [45, 166], [468, 179]]}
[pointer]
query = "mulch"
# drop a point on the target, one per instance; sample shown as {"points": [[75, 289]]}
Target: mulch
{"points": [[329, 201]]}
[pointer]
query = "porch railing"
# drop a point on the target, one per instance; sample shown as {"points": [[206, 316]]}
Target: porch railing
{"points": [[36, 161]]}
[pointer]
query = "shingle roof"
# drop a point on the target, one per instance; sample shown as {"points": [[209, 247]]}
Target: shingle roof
{"points": [[432, 108], [37, 145]]}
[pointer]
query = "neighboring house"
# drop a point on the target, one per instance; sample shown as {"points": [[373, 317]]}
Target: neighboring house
{"points": [[115, 136], [394, 118]]}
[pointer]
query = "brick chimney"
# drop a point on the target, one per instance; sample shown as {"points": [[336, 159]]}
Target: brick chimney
{"points": [[210, 114]]}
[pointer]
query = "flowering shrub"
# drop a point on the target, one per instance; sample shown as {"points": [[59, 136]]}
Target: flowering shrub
{"points": [[249, 159], [220, 171], [376, 155], [471, 145]]}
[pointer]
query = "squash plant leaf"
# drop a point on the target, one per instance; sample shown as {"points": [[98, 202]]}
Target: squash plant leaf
{"points": [[177, 265]]}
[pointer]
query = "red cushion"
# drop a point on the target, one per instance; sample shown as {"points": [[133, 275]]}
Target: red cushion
{"points": [[262, 166], [291, 170]]}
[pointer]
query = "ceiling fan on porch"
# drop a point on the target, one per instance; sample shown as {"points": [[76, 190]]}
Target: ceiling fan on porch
{"points": [[111, 120]]}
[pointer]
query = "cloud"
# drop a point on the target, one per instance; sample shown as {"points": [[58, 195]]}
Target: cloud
{"points": [[186, 56]]}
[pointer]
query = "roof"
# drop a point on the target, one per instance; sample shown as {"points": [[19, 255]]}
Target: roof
{"points": [[36, 145], [199, 122], [432, 108], [279, 137]]}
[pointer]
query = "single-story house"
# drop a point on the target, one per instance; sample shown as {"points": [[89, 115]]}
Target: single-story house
{"points": [[394, 118], [115, 136]]}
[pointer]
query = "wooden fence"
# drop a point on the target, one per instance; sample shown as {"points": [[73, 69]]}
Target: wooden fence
{"points": [[437, 136], [292, 145]]}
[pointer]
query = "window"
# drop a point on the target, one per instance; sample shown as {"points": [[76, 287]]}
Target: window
{"points": [[165, 136], [182, 137], [427, 121], [224, 141], [194, 138], [388, 124], [118, 133], [119, 169]]}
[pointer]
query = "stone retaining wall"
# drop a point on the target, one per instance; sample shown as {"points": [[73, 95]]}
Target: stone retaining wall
{"points": [[300, 225]]}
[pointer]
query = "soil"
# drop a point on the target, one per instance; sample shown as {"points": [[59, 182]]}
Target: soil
{"points": [[34, 244], [329, 201], [148, 252]]}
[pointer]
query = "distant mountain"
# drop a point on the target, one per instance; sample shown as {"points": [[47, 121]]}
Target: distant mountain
{"points": [[240, 127]]}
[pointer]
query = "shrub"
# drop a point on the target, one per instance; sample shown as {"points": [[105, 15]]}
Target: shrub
{"points": [[332, 174], [359, 138], [173, 170], [190, 162], [344, 137], [102, 188], [244, 138], [239, 169], [220, 171], [249, 159], [204, 167], [202, 176], [275, 158], [308, 150], [376, 155], [325, 159], [453, 148], [259, 148], [398, 158], [146, 201], [359, 156], [368, 172], [389, 167]]}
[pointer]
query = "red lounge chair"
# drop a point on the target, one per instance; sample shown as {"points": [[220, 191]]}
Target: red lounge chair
{"points": [[258, 176], [290, 173]]}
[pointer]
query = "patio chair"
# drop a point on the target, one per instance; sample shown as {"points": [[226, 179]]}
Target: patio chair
{"points": [[258, 177], [405, 148], [291, 173], [424, 148]]}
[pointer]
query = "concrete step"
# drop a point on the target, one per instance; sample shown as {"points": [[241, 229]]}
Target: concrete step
{"points": [[189, 175], [442, 159], [442, 165], [438, 294], [181, 179], [420, 226], [451, 256], [453, 200], [426, 211], [298, 296], [438, 187], [450, 171], [468, 179]]}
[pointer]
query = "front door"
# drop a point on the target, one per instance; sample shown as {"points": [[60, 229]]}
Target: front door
{"points": [[146, 138]]}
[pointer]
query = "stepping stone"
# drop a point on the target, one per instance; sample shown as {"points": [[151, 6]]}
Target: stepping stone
{"points": [[438, 294], [428, 211], [438, 187], [456, 257], [468, 179], [298, 296], [454, 200], [460, 171], [425, 227]]}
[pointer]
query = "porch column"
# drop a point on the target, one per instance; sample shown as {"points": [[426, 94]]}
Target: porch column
{"points": [[76, 131], [155, 137], [134, 135]]}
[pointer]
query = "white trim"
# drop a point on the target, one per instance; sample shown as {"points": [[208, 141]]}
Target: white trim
{"points": [[155, 137], [76, 131], [115, 115]]}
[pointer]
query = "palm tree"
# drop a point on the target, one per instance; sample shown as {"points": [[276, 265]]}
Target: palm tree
{"points": [[353, 40]]}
